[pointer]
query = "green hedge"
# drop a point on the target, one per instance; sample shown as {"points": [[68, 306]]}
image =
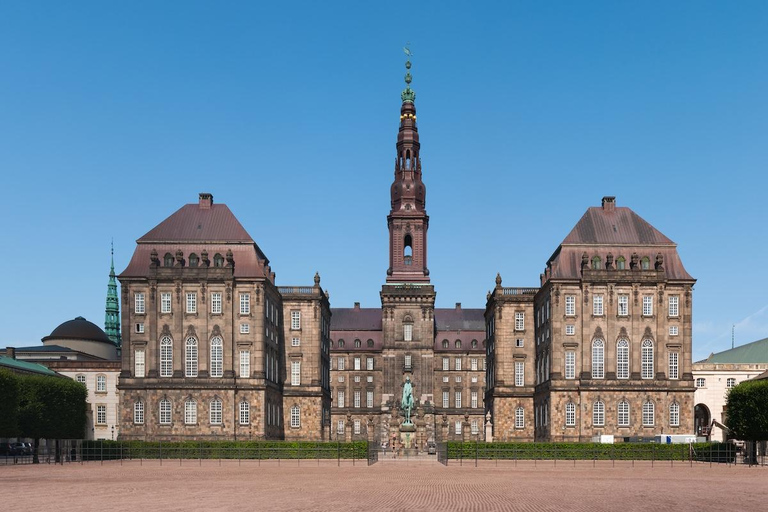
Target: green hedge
{"points": [[262, 450], [706, 452]]}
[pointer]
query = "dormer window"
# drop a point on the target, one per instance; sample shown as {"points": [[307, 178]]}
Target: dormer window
{"points": [[193, 260], [168, 260], [445, 343], [218, 260], [357, 344], [645, 263], [621, 263], [596, 263]]}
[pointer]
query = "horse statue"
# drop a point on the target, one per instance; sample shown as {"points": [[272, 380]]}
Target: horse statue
{"points": [[407, 402]]}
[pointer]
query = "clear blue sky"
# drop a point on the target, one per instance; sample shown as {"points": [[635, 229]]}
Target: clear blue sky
{"points": [[114, 114]]}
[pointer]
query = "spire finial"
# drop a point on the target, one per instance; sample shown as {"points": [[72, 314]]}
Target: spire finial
{"points": [[408, 95]]}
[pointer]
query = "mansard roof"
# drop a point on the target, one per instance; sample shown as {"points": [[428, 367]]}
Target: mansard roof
{"points": [[356, 319], [193, 223], [459, 319]]}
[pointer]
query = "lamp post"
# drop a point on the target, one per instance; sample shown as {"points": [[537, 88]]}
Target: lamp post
{"points": [[113, 432]]}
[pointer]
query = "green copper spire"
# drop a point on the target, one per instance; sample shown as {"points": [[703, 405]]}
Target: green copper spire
{"points": [[408, 95], [112, 315]]}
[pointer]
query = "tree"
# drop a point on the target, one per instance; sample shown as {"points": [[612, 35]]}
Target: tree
{"points": [[9, 404], [747, 415]]}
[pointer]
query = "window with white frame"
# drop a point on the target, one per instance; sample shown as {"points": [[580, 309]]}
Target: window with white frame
{"points": [[165, 411], [340, 363], [730, 383], [245, 413], [295, 342], [369, 399], [245, 328], [165, 302], [622, 359], [598, 414], [674, 305], [623, 413], [340, 427], [519, 417], [457, 399], [216, 303], [623, 305], [295, 373], [217, 357], [473, 399], [473, 364], [674, 414], [190, 412], [647, 359], [407, 361], [138, 363], [519, 342], [701, 382], [191, 302], [457, 427], [673, 365], [245, 364], [356, 362], [190, 357], [138, 413], [598, 359], [570, 329], [340, 398], [597, 305], [570, 414], [81, 379], [101, 383], [446, 363], [519, 373], [458, 378], [408, 332], [101, 414], [446, 400], [138, 303], [139, 328], [473, 427], [647, 305], [570, 364], [296, 417], [295, 320], [356, 398], [457, 363], [356, 426], [648, 414], [519, 321], [215, 415], [369, 363], [570, 305]]}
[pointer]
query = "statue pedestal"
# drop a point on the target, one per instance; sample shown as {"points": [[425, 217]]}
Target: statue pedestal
{"points": [[407, 435]]}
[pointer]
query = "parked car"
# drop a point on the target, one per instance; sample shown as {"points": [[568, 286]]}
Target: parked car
{"points": [[7, 449], [21, 449], [30, 448]]}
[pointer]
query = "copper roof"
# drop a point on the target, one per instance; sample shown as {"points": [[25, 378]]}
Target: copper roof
{"points": [[191, 223]]}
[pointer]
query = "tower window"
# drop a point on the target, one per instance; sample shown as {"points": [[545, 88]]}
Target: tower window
{"points": [[408, 250]]}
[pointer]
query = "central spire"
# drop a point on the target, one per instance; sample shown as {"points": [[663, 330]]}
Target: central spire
{"points": [[408, 220]]}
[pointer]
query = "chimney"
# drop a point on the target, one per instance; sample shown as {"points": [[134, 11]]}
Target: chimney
{"points": [[609, 203], [458, 305], [206, 200], [10, 352], [357, 305]]}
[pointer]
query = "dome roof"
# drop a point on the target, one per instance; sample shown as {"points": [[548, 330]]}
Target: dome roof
{"points": [[79, 329]]}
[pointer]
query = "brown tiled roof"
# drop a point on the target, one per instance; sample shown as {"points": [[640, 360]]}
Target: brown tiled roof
{"points": [[355, 319], [458, 319], [191, 223], [617, 226], [349, 338]]}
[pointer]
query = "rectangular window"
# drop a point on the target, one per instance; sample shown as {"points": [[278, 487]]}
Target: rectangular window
{"points": [[101, 383], [674, 415], [673, 365], [340, 363], [457, 427], [245, 328], [165, 302], [570, 329], [340, 399], [101, 414], [519, 321], [340, 427], [519, 417], [623, 413], [474, 427], [446, 363], [138, 413], [408, 332], [357, 426], [457, 399], [407, 361], [245, 303], [139, 303], [191, 302], [215, 416], [647, 305], [190, 412], [519, 342], [473, 400], [457, 363], [473, 364], [245, 364], [597, 305], [519, 373], [570, 305], [369, 399], [570, 415], [673, 330], [674, 303], [295, 320], [295, 342], [623, 305], [165, 412], [369, 364], [295, 373], [138, 363], [216, 303], [357, 363], [356, 400], [570, 364], [445, 400], [245, 413]]}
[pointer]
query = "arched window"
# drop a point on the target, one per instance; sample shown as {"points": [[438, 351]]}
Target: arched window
{"points": [[408, 250], [217, 357], [622, 359], [474, 343], [621, 263], [674, 414], [165, 411], [190, 357], [598, 414], [218, 260], [369, 343], [190, 412], [193, 260], [166, 356], [457, 344], [623, 413], [645, 263], [519, 417], [596, 263], [245, 413], [648, 414], [570, 414], [138, 413], [647, 359], [445, 343], [408, 329], [168, 260], [215, 416], [341, 343], [598, 359], [295, 416], [408, 159], [358, 344]]}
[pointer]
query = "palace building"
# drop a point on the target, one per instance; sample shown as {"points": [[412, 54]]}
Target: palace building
{"points": [[212, 347]]}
